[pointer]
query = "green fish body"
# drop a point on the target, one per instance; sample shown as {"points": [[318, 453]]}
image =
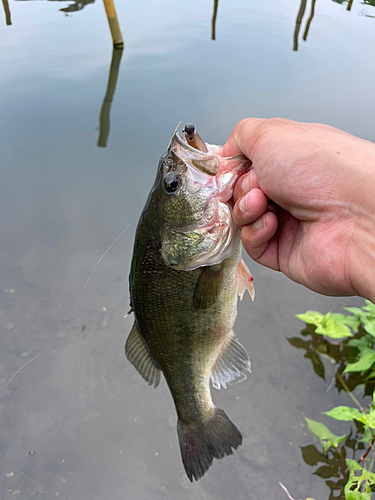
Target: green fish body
{"points": [[185, 275]]}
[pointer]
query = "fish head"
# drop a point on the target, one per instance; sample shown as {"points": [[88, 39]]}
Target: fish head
{"points": [[194, 189]]}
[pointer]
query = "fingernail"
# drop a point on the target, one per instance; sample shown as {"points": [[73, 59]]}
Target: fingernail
{"points": [[242, 205], [259, 223], [248, 182]]}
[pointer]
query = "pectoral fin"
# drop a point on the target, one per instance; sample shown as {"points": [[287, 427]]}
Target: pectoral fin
{"points": [[208, 287], [138, 355], [245, 280], [231, 365]]}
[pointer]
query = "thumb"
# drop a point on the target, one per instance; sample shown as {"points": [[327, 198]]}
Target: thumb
{"points": [[243, 137]]}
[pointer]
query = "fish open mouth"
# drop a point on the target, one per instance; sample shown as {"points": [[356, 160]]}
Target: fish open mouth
{"points": [[208, 163], [211, 162]]}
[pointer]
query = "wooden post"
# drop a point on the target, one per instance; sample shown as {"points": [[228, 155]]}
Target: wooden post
{"points": [[105, 112], [113, 23], [213, 31], [349, 6], [8, 20]]}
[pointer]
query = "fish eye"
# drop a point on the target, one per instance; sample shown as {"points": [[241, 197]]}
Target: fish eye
{"points": [[172, 183]]}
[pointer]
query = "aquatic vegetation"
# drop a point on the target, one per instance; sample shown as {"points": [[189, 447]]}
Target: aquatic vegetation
{"points": [[354, 360]]}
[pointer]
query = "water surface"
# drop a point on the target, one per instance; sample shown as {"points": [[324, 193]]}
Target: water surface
{"points": [[94, 429]]}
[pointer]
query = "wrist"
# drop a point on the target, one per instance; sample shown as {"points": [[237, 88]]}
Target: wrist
{"points": [[361, 265]]}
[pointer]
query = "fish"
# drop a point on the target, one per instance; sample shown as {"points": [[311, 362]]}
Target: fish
{"points": [[186, 273]]}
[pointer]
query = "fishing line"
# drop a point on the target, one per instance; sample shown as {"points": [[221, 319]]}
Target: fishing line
{"points": [[105, 253], [87, 282], [23, 366]]}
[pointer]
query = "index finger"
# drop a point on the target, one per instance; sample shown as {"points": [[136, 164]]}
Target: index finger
{"points": [[242, 138]]}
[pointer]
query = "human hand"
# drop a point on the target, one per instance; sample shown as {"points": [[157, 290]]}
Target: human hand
{"points": [[307, 208]]}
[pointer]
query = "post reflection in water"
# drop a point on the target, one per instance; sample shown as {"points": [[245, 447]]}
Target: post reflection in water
{"points": [[213, 29], [300, 15], [312, 12], [104, 119], [8, 20], [349, 6]]}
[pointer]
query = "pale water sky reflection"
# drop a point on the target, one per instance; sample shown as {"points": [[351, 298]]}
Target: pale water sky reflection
{"points": [[96, 429]]}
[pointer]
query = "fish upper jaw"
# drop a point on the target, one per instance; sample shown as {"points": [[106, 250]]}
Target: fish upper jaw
{"points": [[230, 171]]}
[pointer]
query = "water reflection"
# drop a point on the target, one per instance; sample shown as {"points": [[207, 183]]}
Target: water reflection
{"points": [[104, 118], [331, 465], [8, 20], [300, 15], [73, 7], [213, 23]]}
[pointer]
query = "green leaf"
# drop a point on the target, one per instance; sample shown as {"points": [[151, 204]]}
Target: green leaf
{"points": [[324, 434], [353, 322], [368, 419], [366, 360], [352, 495], [344, 413], [361, 344], [333, 330], [367, 436], [369, 306], [356, 311], [339, 318], [310, 317], [358, 485], [347, 414], [326, 318], [370, 328], [365, 475]]}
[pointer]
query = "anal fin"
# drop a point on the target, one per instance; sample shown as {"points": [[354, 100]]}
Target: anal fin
{"points": [[231, 365], [245, 280], [137, 353]]}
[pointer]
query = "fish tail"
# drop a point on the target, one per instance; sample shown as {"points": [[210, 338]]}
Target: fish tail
{"points": [[201, 443]]}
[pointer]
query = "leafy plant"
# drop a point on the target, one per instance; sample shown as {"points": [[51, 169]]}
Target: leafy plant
{"points": [[348, 342]]}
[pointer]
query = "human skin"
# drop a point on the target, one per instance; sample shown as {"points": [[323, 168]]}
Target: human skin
{"points": [[307, 208]]}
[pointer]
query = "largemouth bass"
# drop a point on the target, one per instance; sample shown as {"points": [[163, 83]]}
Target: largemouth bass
{"points": [[185, 275]]}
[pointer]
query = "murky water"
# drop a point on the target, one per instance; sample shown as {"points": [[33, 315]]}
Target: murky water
{"points": [[78, 422]]}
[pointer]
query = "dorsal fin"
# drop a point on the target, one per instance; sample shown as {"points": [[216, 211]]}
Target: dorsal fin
{"points": [[137, 353], [231, 365]]}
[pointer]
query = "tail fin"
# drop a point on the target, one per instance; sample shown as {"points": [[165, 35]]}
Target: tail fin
{"points": [[201, 443]]}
